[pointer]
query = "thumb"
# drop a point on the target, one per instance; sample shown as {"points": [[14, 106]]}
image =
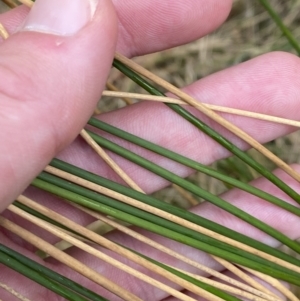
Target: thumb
{"points": [[52, 74]]}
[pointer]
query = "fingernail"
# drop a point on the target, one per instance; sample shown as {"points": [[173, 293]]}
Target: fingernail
{"points": [[59, 17]]}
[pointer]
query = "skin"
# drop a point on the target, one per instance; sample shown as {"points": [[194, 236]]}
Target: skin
{"points": [[267, 84]]}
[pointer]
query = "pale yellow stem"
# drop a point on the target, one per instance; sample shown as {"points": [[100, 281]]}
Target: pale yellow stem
{"points": [[210, 106], [229, 266], [99, 150], [28, 3], [126, 99], [275, 283], [3, 32], [13, 292], [227, 288]]}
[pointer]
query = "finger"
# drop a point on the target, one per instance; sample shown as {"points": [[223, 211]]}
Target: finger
{"points": [[262, 210], [253, 85], [149, 26], [153, 25], [51, 81]]}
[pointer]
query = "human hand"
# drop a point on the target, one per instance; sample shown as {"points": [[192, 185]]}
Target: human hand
{"points": [[32, 63]]}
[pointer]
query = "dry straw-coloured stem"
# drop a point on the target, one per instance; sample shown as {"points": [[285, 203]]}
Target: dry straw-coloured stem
{"points": [[67, 260], [110, 245], [229, 266], [97, 111], [13, 292], [99, 150], [113, 89], [225, 287], [212, 107], [174, 254], [208, 112], [96, 226], [3, 32], [28, 3], [168, 216], [275, 283], [88, 249]]}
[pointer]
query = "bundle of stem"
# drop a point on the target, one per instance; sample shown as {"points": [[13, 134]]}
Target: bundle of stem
{"points": [[179, 225]]}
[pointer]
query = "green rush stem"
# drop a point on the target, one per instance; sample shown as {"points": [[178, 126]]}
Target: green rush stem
{"points": [[210, 132], [48, 273], [150, 222], [217, 201], [276, 18], [38, 277], [189, 216], [193, 164]]}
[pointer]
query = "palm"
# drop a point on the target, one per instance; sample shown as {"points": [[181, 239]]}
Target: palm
{"points": [[236, 87]]}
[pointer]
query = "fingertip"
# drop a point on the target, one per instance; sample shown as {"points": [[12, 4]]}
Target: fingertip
{"points": [[158, 25]]}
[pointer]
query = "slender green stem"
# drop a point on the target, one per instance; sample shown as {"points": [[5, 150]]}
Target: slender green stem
{"points": [[210, 132], [193, 164], [217, 201], [8, 258], [286, 32], [150, 222], [50, 274], [189, 216]]}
